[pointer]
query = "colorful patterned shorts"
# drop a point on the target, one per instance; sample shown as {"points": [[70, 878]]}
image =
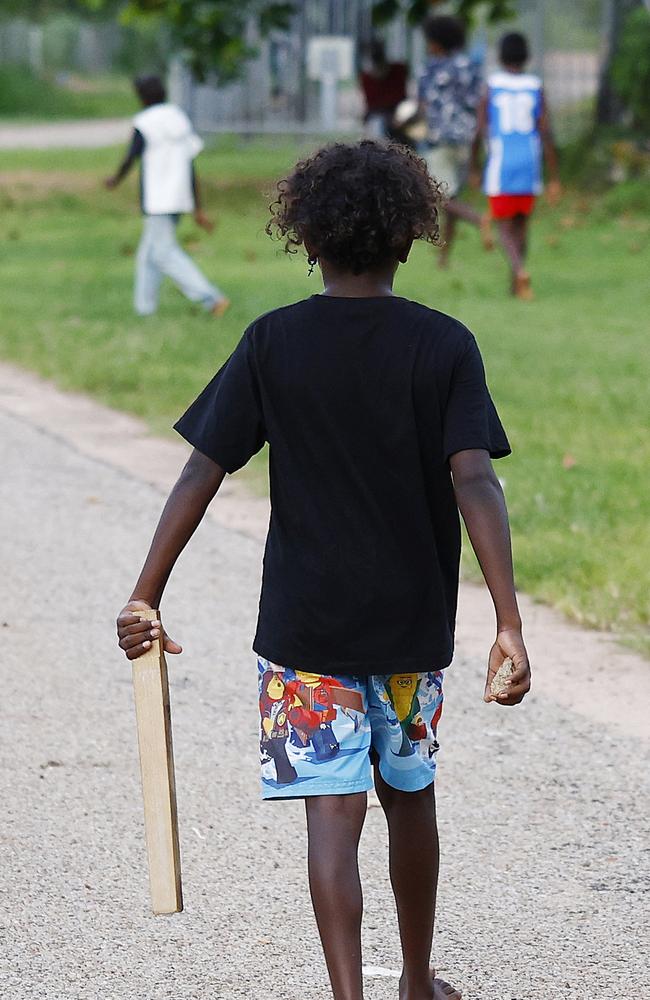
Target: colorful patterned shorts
{"points": [[318, 732]]}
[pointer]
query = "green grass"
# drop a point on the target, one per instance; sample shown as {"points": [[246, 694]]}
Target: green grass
{"points": [[26, 97], [569, 372]]}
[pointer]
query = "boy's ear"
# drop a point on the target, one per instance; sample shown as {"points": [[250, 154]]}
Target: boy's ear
{"points": [[403, 255]]}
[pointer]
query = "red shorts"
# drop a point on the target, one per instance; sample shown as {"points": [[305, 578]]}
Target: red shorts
{"points": [[506, 206]]}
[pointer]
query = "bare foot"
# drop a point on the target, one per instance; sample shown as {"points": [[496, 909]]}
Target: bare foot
{"points": [[220, 307], [443, 991], [521, 287]]}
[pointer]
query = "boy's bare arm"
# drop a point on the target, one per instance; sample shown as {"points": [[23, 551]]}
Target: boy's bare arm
{"points": [[550, 153], [475, 156], [133, 153], [481, 502], [200, 217], [195, 488]]}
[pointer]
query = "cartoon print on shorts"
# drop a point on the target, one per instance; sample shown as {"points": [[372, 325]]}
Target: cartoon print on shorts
{"points": [[274, 706], [316, 700], [416, 701], [402, 691], [431, 701], [300, 713]]}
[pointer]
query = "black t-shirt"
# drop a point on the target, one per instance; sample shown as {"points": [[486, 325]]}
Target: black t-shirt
{"points": [[362, 401]]}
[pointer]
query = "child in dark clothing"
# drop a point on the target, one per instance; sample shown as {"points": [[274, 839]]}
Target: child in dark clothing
{"points": [[381, 428]]}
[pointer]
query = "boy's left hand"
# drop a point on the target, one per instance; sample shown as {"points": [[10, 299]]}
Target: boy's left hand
{"points": [[203, 221], [509, 643]]}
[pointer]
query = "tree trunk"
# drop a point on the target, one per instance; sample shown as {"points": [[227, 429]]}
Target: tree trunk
{"points": [[610, 110]]}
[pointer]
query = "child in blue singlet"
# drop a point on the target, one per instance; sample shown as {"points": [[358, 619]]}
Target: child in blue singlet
{"points": [[514, 122]]}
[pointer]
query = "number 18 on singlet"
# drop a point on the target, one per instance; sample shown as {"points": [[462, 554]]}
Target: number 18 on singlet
{"points": [[514, 163]]}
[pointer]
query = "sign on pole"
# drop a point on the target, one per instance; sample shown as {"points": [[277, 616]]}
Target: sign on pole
{"points": [[330, 58]]}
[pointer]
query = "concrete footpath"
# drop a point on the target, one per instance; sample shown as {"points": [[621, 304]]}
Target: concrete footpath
{"points": [[84, 134], [543, 811]]}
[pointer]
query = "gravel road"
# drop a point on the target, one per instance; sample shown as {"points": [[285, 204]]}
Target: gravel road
{"points": [[544, 818]]}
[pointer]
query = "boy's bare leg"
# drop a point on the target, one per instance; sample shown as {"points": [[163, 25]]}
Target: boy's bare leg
{"points": [[513, 240], [455, 210], [334, 825], [520, 228], [414, 861], [459, 210], [448, 233]]}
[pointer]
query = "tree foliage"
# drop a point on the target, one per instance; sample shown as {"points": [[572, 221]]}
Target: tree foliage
{"points": [[213, 36], [631, 66], [416, 10]]}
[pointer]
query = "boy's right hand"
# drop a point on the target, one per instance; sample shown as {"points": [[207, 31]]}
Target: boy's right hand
{"points": [[135, 634], [553, 191], [203, 221], [509, 643]]}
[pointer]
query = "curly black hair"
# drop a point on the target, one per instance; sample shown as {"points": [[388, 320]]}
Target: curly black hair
{"points": [[358, 205]]}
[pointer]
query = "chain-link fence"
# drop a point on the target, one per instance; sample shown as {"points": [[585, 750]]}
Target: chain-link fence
{"points": [[274, 93], [65, 43]]}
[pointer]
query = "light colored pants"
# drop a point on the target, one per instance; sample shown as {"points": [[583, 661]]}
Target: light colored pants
{"points": [[449, 165], [159, 253]]}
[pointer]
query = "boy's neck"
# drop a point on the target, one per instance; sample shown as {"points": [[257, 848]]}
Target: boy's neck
{"points": [[369, 284], [509, 68], [437, 51]]}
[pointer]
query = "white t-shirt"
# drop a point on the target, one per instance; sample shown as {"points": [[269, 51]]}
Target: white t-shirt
{"points": [[170, 145]]}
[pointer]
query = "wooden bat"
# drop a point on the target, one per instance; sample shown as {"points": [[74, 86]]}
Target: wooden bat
{"points": [[153, 716]]}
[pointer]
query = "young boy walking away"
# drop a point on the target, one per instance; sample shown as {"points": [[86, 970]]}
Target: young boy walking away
{"points": [[380, 427], [165, 141], [514, 119], [449, 91]]}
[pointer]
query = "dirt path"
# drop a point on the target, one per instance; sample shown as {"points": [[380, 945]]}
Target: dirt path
{"points": [[543, 815], [582, 670], [85, 134]]}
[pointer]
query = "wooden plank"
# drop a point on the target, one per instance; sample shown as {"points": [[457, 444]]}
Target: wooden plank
{"points": [[153, 716]]}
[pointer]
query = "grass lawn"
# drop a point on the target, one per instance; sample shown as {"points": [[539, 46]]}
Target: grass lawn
{"points": [[25, 97], [569, 372]]}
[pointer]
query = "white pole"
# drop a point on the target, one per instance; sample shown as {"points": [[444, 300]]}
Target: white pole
{"points": [[328, 102]]}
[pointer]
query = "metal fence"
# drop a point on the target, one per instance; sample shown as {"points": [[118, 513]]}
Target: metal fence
{"points": [[71, 44], [274, 94]]}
